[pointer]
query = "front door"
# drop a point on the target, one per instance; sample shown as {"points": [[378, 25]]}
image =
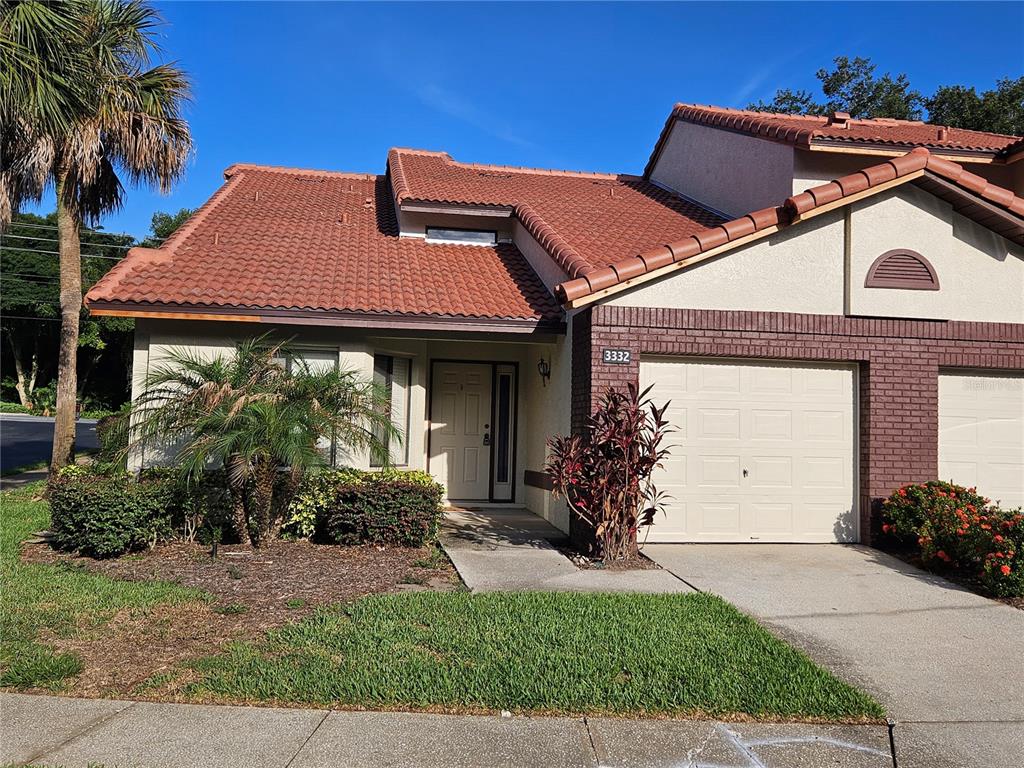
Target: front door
{"points": [[460, 429]]}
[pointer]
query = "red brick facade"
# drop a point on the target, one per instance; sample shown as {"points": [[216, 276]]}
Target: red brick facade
{"points": [[898, 361]]}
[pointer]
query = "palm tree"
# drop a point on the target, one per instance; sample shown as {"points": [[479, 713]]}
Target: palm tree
{"points": [[255, 416], [81, 102]]}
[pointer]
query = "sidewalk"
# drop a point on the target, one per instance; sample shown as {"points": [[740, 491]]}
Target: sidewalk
{"points": [[513, 549], [53, 731]]}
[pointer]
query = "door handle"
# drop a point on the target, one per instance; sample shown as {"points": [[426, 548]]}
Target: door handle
{"points": [[487, 438], [745, 473]]}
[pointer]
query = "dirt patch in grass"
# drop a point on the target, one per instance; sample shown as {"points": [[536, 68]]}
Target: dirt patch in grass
{"points": [[284, 581], [144, 653]]}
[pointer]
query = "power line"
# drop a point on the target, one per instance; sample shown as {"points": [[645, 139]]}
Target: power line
{"points": [[54, 227], [16, 275], [55, 240], [57, 253], [26, 317]]}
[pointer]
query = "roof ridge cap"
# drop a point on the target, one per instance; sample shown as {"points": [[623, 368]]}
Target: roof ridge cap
{"points": [[749, 112], [142, 255], [234, 168], [535, 171], [560, 251]]}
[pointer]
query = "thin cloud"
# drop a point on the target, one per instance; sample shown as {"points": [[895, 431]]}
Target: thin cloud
{"points": [[454, 106]]}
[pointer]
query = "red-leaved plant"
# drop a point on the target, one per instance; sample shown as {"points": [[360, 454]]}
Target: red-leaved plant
{"points": [[605, 476]]}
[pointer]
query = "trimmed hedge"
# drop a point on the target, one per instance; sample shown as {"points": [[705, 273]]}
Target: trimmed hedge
{"points": [[106, 515], [958, 531], [350, 506]]}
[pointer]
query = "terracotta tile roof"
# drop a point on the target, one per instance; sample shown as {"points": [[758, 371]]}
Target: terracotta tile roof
{"points": [[804, 130], [316, 241], [913, 165], [586, 221]]}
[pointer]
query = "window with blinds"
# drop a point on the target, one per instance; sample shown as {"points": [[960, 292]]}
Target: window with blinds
{"points": [[392, 375]]}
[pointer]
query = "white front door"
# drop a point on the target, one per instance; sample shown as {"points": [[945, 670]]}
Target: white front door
{"points": [[460, 429], [981, 434], [764, 451]]}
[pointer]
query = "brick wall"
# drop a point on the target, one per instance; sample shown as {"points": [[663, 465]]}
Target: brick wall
{"points": [[898, 360]]}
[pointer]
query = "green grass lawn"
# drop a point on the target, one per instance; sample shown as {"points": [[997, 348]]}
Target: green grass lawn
{"points": [[57, 600], [527, 652], [530, 651]]}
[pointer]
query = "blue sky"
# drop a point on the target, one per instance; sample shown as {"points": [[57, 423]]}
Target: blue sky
{"points": [[580, 86]]}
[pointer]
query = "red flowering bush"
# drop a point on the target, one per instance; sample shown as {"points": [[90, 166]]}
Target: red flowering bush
{"points": [[958, 530]]}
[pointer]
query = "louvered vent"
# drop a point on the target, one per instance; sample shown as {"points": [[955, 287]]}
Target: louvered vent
{"points": [[902, 269]]}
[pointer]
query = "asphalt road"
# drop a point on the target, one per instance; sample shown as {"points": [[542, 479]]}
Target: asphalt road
{"points": [[29, 439]]}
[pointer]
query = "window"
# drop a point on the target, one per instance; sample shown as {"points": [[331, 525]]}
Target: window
{"points": [[317, 361], [392, 375], [467, 236]]}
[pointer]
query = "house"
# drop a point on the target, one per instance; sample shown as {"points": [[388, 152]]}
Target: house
{"points": [[834, 307]]}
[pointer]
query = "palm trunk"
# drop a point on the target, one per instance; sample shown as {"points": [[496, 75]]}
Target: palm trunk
{"points": [[263, 500], [236, 482], [70, 309]]}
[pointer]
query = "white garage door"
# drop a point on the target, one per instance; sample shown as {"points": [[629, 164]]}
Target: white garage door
{"points": [[981, 434], [764, 452]]}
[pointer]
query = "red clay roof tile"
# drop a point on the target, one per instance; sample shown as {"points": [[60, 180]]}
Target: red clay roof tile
{"points": [[907, 165], [804, 130], [586, 221], [277, 239]]}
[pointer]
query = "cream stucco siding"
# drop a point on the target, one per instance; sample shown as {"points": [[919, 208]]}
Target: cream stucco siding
{"points": [[730, 172], [541, 410], [798, 270], [980, 274], [547, 270]]}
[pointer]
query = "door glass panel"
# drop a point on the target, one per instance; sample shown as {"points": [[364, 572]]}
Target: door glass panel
{"points": [[502, 427]]}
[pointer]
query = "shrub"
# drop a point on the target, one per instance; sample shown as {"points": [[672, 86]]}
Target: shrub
{"points": [[107, 515], [386, 510], [958, 531], [314, 499], [605, 475]]}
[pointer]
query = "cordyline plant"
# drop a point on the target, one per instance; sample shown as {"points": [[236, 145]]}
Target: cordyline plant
{"points": [[606, 475], [259, 419]]}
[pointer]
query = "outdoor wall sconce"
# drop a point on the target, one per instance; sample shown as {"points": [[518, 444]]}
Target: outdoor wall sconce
{"points": [[544, 369]]}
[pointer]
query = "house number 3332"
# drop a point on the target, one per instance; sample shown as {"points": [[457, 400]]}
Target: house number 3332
{"points": [[616, 356]]}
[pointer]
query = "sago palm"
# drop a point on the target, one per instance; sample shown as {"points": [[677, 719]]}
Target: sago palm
{"points": [[81, 107], [256, 417]]}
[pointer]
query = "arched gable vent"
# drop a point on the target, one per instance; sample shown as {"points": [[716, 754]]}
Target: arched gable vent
{"points": [[902, 269]]}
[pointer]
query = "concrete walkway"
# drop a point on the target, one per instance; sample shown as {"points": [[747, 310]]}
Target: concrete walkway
{"points": [[52, 731], [948, 664], [513, 549]]}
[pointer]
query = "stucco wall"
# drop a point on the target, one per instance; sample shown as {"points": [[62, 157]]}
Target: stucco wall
{"points": [[730, 172], [541, 411], [981, 275], [797, 270], [547, 270]]}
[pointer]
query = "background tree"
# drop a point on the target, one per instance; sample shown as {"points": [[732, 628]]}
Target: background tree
{"points": [[80, 103], [852, 86], [30, 318]]}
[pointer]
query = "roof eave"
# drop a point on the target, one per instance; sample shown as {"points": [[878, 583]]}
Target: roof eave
{"points": [[332, 318]]}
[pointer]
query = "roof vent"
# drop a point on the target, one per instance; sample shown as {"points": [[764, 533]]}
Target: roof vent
{"points": [[902, 268], [839, 119], [943, 134]]}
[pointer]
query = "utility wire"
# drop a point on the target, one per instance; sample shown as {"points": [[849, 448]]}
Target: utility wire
{"points": [[57, 253], [55, 240]]}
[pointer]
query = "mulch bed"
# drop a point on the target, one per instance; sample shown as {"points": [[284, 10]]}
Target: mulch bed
{"points": [[639, 563], [254, 590]]}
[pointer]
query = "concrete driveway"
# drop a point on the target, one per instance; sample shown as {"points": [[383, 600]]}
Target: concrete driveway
{"points": [[948, 664]]}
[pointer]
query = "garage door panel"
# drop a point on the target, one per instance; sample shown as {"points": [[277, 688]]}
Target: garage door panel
{"points": [[791, 427], [981, 433], [771, 472], [718, 472], [718, 424], [771, 425], [826, 425]]}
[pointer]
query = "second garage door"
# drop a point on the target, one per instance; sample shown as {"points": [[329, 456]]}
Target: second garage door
{"points": [[763, 452]]}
